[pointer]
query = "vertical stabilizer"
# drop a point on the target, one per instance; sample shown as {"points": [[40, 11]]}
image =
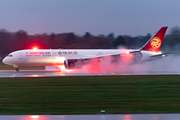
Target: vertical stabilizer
{"points": [[155, 42]]}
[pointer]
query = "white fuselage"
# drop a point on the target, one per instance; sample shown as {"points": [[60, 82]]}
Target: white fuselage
{"points": [[52, 57]]}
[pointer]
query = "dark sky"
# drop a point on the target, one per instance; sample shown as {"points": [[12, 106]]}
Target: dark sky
{"points": [[130, 17]]}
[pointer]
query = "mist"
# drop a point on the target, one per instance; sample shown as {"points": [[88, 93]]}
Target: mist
{"points": [[166, 65], [125, 65]]}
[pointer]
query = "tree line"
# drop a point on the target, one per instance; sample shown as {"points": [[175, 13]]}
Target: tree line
{"points": [[19, 40]]}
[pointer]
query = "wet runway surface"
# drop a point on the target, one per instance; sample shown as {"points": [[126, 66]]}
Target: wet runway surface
{"points": [[44, 73], [94, 117]]}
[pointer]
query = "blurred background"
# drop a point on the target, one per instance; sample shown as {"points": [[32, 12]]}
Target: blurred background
{"points": [[85, 24]]}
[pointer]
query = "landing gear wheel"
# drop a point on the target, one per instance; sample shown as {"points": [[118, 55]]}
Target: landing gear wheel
{"points": [[17, 69]]}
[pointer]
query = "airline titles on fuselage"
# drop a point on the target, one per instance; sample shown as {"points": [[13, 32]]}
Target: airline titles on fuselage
{"points": [[64, 53], [68, 53]]}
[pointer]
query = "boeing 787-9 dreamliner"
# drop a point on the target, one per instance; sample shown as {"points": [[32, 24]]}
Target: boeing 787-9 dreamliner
{"points": [[70, 58]]}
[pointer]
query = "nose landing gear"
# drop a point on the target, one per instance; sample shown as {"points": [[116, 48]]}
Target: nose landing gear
{"points": [[16, 67]]}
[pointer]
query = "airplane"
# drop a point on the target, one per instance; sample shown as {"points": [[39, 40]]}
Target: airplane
{"points": [[71, 58]]}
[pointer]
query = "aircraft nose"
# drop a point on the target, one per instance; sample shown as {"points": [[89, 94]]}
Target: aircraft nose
{"points": [[4, 60], [7, 61]]}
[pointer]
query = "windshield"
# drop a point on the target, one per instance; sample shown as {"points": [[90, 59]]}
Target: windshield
{"points": [[10, 55]]}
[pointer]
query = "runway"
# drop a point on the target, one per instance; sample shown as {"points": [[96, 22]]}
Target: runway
{"points": [[94, 117], [37, 73], [45, 73]]}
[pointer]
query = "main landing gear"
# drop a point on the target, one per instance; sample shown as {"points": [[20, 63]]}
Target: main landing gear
{"points": [[16, 67]]}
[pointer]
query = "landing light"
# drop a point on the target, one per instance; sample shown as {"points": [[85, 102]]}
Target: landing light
{"points": [[60, 59], [64, 69], [127, 52]]}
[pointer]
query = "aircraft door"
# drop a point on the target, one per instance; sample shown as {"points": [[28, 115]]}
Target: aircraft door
{"points": [[54, 54], [20, 55]]}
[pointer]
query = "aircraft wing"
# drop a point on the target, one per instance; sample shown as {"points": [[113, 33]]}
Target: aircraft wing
{"points": [[71, 63], [135, 54]]}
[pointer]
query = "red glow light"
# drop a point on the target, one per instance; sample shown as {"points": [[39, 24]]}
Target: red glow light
{"points": [[63, 69], [127, 116], [34, 117], [35, 48]]}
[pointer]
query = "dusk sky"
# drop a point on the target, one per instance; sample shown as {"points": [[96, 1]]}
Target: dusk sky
{"points": [[122, 17]]}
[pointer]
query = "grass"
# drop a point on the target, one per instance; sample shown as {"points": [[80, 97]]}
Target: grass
{"points": [[86, 95]]}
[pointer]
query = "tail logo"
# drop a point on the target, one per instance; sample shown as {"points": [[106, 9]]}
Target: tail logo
{"points": [[155, 42]]}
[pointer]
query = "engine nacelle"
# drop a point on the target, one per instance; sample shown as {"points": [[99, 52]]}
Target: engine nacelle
{"points": [[73, 64]]}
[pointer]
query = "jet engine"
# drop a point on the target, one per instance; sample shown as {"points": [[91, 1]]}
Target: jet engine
{"points": [[73, 63]]}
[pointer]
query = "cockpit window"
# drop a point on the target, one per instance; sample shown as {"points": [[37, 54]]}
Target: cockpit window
{"points": [[9, 55]]}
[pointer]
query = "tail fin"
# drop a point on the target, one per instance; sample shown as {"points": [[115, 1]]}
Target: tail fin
{"points": [[155, 42]]}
